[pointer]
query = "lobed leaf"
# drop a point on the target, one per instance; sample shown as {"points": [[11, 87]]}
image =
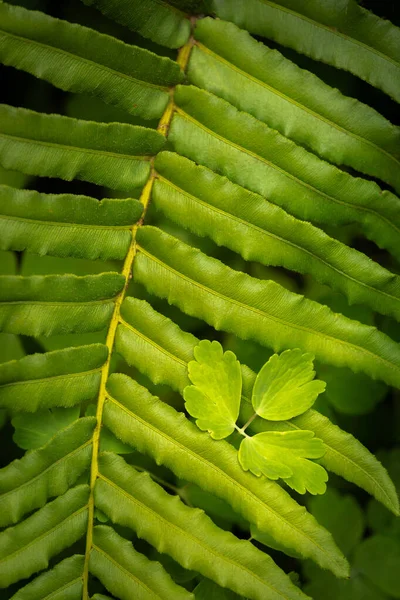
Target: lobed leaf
{"points": [[66, 225], [58, 378], [214, 397], [156, 20], [45, 305], [134, 500], [260, 310], [155, 428], [215, 134], [228, 62], [342, 34], [160, 349], [114, 155], [284, 455], [27, 547], [285, 386], [27, 483], [63, 582], [78, 59], [210, 205], [128, 574]]}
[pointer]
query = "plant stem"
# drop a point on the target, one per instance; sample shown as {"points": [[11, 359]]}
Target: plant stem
{"points": [[241, 430]]}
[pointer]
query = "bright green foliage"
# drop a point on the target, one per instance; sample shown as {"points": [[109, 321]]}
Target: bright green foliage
{"points": [[64, 582], [134, 575], [114, 155], [45, 305], [153, 19], [45, 473], [210, 205], [127, 76], [161, 350], [33, 430], [66, 225], [132, 499], [262, 82], [339, 33], [59, 378], [260, 310], [284, 455], [27, 547], [284, 387], [215, 134], [214, 397], [155, 428]]}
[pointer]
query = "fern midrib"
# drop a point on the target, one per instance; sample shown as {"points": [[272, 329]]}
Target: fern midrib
{"points": [[121, 568], [297, 104], [359, 349], [336, 32], [261, 159], [221, 473], [163, 128], [195, 540], [64, 224], [277, 237], [77, 57]]}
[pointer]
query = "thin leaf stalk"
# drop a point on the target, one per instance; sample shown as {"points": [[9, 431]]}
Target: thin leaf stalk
{"points": [[163, 128]]}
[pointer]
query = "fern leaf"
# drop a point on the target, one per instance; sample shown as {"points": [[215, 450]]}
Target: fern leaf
{"points": [[128, 574], [63, 582], [27, 547], [155, 428], [161, 350], [59, 378], [210, 205], [231, 64], [26, 484], [132, 499], [49, 304], [339, 33], [215, 134], [153, 19], [66, 225], [260, 310], [114, 155], [128, 77]]}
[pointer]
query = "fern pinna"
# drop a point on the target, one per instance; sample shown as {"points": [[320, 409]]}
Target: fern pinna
{"points": [[246, 153]]}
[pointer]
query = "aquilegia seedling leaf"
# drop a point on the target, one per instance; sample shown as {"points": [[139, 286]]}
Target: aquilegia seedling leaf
{"points": [[214, 397], [284, 455], [284, 387]]}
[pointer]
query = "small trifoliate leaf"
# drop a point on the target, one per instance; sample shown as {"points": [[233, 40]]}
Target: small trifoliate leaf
{"points": [[284, 454], [284, 387], [34, 430], [214, 397]]}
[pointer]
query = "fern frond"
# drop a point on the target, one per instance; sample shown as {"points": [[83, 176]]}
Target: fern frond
{"points": [[28, 483], [153, 19], [58, 378], [128, 574], [66, 225], [260, 310], [212, 132], [132, 499], [144, 422], [27, 547], [114, 155], [342, 34], [63, 582], [161, 350], [128, 77], [231, 64], [49, 304], [210, 205]]}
